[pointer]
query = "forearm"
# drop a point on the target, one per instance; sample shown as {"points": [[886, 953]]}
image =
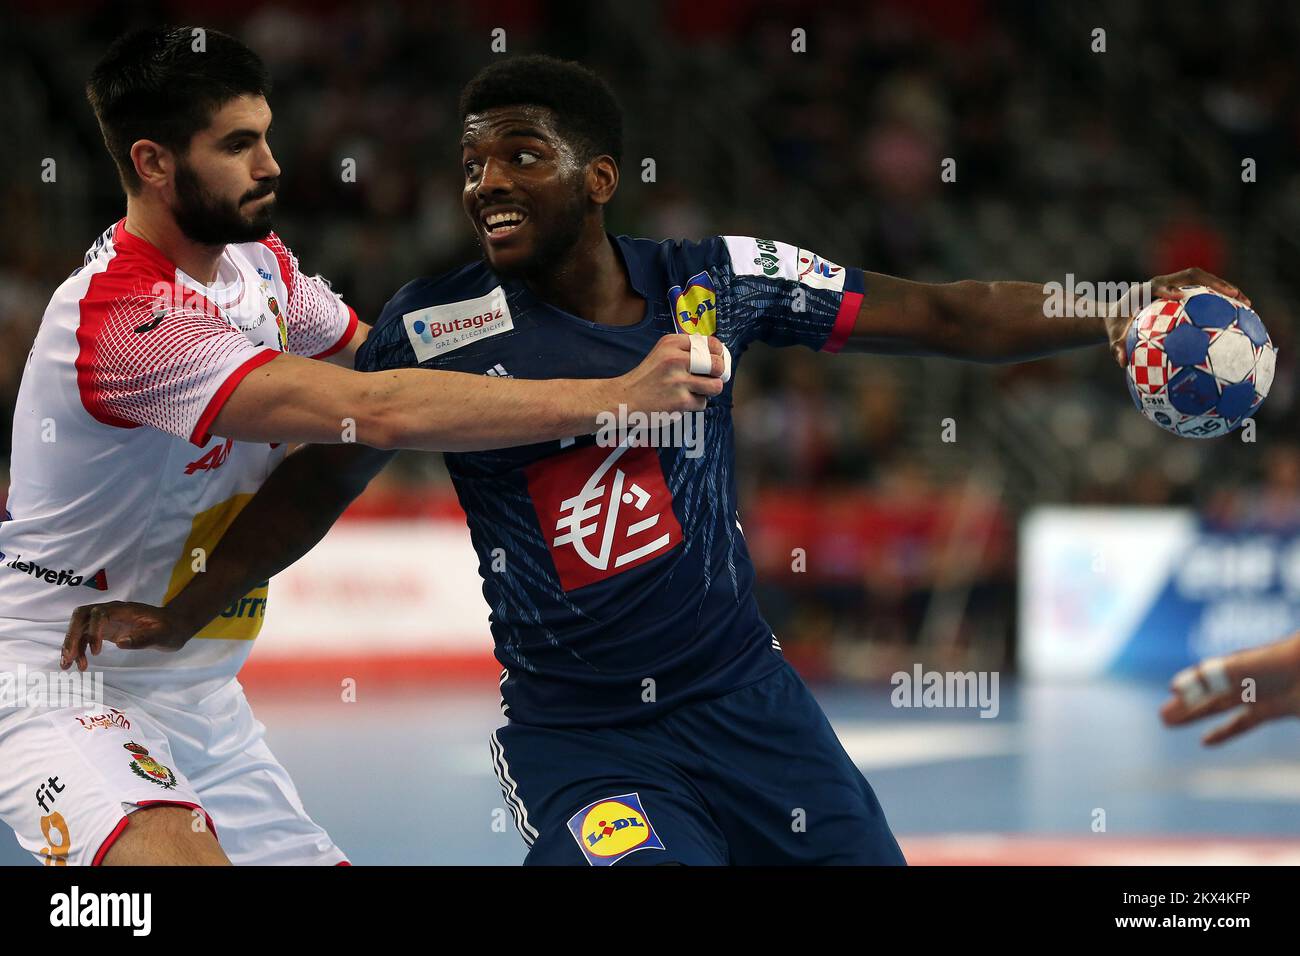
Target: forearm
{"points": [[290, 513], [297, 400], [1013, 321], [453, 411]]}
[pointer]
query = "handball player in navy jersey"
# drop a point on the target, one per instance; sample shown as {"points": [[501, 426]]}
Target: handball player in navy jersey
{"points": [[650, 716]]}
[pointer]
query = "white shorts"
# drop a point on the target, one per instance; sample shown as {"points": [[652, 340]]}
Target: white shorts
{"points": [[72, 776]]}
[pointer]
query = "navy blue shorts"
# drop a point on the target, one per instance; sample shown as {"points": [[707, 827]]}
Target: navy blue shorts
{"points": [[754, 777]]}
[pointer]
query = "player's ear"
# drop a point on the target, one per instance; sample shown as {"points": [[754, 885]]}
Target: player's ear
{"points": [[153, 162], [602, 179]]}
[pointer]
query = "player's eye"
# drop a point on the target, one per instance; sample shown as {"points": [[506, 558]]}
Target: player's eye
{"points": [[526, 157], [472, 170]]}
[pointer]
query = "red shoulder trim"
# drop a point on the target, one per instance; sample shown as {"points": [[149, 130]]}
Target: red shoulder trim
{"points": [[200, 436], [346, 338]]}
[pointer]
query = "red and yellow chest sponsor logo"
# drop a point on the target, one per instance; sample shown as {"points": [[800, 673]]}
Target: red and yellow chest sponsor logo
{"points": [[602, 511]]}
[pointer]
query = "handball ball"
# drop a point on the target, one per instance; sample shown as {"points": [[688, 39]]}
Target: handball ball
{"points": [[1198, 366]]}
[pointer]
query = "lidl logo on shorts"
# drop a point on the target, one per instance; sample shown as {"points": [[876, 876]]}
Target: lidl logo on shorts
{"points": [[695, 307], [610, 829]]}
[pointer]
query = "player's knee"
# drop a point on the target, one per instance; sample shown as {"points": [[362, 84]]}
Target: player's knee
{"points": [[166, 836]]}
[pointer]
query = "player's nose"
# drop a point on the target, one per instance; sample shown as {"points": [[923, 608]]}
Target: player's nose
{"points": [[494, 179], [267, 167]]}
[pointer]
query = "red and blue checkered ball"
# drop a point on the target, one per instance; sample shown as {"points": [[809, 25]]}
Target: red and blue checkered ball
{"points": [[1200, 365]]}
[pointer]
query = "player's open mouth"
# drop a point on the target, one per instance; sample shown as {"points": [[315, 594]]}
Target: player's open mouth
{"points": [[500, 223]]}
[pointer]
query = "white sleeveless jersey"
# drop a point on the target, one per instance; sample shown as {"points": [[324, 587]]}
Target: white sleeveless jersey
{"points": [[118, 491]]}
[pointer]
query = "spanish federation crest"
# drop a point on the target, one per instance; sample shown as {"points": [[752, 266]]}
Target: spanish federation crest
{"points": [[145, 766]]}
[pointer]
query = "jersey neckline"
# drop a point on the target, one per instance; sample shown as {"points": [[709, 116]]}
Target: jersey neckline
{"points": [[635, 280]]}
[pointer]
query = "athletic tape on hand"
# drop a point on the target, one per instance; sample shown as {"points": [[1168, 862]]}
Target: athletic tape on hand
{"points": [[1196, 685], [702, 361], [1215, 671]]}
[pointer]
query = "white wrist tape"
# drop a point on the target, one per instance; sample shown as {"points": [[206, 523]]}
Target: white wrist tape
{"points": [[702, 361]]}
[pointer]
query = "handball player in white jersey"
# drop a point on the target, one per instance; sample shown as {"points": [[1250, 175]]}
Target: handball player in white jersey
{"points": [[168, 374]]}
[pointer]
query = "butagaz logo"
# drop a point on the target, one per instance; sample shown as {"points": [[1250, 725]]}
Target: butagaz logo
{"points": [[443, 328], [65, 578], [769, 259], [74, 908], [621, 516]]}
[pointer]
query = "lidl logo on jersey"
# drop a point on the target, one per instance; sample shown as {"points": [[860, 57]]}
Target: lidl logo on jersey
{"points": [[602, 511], [610, 829], [443, 328], [65, 578], [695, 307]]}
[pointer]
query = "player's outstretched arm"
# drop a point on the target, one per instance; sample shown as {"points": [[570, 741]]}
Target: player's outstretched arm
{"points": [[290, 513], [1000, 321], [292, 399], [1263, 681]]}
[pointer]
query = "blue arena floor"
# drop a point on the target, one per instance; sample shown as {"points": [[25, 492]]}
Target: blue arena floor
{"points": [[405, 777]]}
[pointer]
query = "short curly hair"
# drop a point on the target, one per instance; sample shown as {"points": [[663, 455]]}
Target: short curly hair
{"points": [[587, 113]]}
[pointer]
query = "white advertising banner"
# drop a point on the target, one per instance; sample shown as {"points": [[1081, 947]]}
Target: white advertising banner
{"points": [[376, 587]]}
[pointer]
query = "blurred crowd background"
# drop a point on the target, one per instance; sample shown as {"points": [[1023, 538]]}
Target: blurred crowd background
{"points": [[1108, 166]]}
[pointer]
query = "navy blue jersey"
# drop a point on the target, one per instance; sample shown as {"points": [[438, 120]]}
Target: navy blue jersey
{"points": [[617, 574]]}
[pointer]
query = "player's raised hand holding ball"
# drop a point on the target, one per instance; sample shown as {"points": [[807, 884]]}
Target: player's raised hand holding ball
{"points": [[1197, 359]]}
